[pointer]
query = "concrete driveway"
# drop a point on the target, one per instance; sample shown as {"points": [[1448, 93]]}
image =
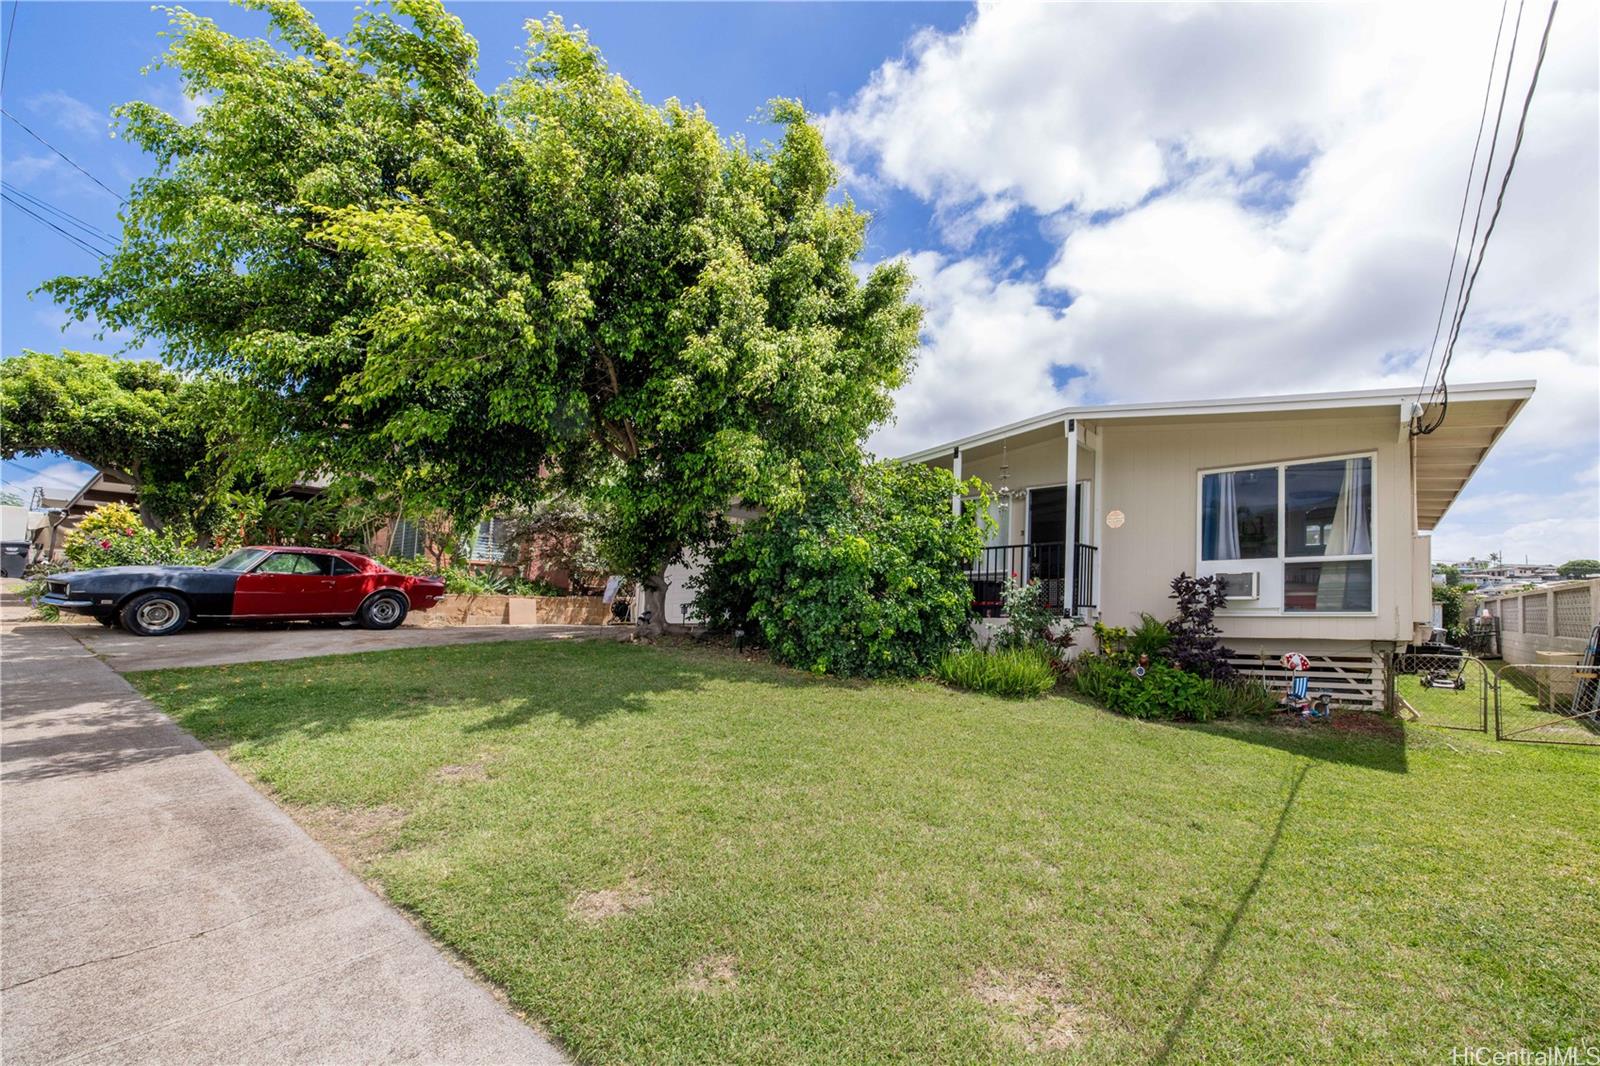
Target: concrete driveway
{"points": [[156, 908], [217, 645]]}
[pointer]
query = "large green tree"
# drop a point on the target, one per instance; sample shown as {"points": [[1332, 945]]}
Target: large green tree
{"points": [[132, 418], [478, 297]]}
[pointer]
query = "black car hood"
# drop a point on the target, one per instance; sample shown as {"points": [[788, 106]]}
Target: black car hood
{"points": [[128, 571]]}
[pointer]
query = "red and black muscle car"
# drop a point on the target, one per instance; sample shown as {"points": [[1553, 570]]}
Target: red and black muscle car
{"points": [[274, 583]]}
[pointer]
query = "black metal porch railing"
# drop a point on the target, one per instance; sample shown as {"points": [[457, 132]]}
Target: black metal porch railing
{"points": [[1083, 577], [1044, 562]]}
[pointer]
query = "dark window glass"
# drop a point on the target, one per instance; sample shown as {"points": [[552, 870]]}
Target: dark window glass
{"points": [[1327, 586], [340, 566], [1239, 515], [1328, 508]]}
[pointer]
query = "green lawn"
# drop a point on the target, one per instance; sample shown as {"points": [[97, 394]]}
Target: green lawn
{"points": [[672, 855]]}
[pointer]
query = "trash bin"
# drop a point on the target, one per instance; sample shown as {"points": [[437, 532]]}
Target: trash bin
{"points": [[13, 558]]}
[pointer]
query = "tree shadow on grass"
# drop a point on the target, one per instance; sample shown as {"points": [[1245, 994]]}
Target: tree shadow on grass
{"points": [[516, 683], [1202, 982], [1358, 739]]}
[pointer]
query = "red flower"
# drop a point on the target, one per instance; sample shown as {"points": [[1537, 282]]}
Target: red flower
{"points": [[105, 544], [127, 531], [1013, 573]]}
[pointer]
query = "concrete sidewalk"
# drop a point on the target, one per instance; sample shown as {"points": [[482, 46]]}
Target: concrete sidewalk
{"points": [[155, 907]]}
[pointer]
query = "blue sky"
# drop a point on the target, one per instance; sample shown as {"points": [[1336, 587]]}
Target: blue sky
{"points": [[1100, 202]]}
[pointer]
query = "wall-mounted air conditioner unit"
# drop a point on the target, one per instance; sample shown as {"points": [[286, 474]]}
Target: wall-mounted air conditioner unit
{"points": [[1241, 585]]}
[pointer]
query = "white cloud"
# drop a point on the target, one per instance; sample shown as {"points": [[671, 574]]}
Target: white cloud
{"points": [[1541, 527], [69, 113], [1160, 148], [980, 363]]}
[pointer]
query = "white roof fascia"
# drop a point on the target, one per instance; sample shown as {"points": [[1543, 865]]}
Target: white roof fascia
{"points": [[1488, 390]]}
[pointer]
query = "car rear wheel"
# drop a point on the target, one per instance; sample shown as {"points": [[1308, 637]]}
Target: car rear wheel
{"points": [[155, 614], [383, 611]]}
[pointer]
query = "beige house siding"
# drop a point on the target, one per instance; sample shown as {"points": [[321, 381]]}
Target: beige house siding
{"points": [[1151, 474]]}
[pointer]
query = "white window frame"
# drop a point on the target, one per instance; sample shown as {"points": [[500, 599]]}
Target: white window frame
{"points": [[1282, 560]]}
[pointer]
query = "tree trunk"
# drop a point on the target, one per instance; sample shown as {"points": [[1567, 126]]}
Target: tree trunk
{"points": [[150, 519], [653, 605]]}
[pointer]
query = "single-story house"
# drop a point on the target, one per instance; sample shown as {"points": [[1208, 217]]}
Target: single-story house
{"points": [[1317, 510]]}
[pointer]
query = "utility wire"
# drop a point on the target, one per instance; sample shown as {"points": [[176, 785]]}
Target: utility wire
{"points": [[62, 154], [11, 31], [92, 231], [68, 234], [1466, 194], [1499, 203], [1483, 192]]}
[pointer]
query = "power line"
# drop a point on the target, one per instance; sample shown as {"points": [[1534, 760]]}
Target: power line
{"points": [[62, 154], [1483, 190], [1499, 203], [11, 31], [94, 232], [1466, 194], [68, 234]]}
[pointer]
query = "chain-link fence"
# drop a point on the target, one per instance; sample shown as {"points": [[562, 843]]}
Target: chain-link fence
{"points": [[1449, 690], [1548, 704]]}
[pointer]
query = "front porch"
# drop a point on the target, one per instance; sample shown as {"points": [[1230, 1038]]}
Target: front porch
{"points": [[1045, 562], [1043, 483]]}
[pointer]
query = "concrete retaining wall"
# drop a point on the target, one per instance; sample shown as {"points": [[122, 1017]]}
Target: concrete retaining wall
{"points": [[512, 610]]}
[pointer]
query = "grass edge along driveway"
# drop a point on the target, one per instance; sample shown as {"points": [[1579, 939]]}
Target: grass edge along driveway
{"points": [[675, 855]]}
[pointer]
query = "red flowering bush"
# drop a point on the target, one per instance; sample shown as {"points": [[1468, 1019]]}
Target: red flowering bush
{"points": [[111, 535]]}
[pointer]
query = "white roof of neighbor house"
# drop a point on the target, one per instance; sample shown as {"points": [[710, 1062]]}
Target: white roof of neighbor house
{"points": [[1446, 459]]}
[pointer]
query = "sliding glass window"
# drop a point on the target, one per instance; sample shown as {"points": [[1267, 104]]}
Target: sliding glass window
{"points": [[1314, 519]]}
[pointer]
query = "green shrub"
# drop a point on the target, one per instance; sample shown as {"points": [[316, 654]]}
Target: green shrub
{"points": [[867, 577], [1163, 693], [1028, 617], [463, 581], [1151, 638], [112, 535], [1024, 672], [1248, 698]]}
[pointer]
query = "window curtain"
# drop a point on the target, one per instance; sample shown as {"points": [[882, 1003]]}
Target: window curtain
{"points": [[1351, 533], [1225, 517], [1352, 514]]}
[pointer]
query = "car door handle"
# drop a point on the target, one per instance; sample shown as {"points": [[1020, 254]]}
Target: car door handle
{"points": [[327, 583]]}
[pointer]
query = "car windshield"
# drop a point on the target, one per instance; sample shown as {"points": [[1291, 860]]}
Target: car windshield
{"points": [[239, 561]]}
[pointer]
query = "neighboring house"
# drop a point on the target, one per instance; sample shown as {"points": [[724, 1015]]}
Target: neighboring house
{"points": [[61, 516], [491, 546], [1316, 509]]}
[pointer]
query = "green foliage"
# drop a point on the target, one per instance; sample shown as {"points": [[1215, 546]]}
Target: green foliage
{"points": [[166, 434], [1456, 609], [464, 581], [1111, 640], [1025, 672], [1151, 638], [1028, 617], [1574, 568], [111, 535], [10, 499], [464, 294], [868, 578], [1164, 692], [1247, 698]]}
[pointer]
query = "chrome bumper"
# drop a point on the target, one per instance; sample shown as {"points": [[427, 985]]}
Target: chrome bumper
{"points": [[56, 599]]}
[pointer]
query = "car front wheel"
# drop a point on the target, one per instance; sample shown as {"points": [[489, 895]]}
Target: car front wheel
{"points": [[155, 614], [383, 611]]}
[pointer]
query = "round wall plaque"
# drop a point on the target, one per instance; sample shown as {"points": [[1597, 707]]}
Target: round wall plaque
{"points": [[1114, 519]]}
